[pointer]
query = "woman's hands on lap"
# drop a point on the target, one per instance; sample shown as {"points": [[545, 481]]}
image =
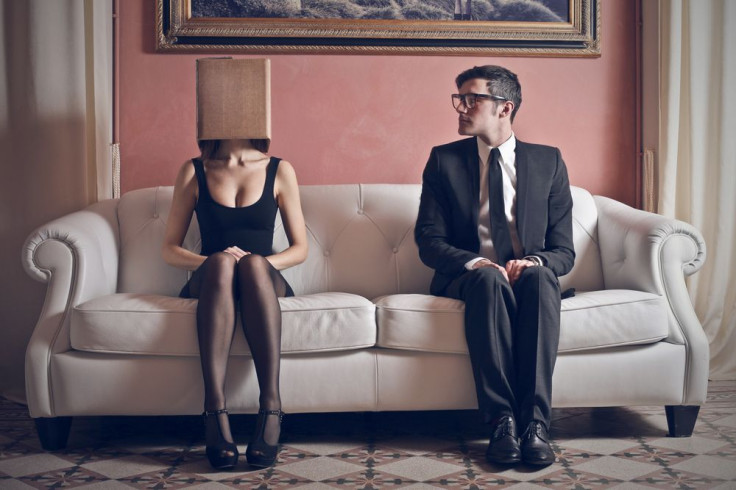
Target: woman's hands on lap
{"points": [[286, 193], [236, 252]]}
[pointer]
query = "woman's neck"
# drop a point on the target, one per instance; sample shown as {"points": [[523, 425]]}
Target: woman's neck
{"points": [[238, 150]]}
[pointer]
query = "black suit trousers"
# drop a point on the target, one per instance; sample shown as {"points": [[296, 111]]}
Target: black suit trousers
{"points": [[513, 335]]}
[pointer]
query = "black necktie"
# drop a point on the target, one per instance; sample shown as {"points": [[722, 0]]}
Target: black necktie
{"points": [[499, 226]]}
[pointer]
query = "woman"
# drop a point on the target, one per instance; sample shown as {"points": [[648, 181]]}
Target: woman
{"points": [[236, 189]]}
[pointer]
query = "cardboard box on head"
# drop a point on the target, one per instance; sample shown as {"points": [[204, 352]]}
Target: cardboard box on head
{"points": [[233, 98]]}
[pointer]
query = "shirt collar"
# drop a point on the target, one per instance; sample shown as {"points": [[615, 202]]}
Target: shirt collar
{"points": [[507, 149]]}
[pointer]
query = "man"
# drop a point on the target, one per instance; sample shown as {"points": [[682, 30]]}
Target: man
{"points": [[495, 223]]}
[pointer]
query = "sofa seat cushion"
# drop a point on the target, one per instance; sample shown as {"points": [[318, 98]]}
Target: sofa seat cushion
{"points": [[590, 320], [150, 324]]}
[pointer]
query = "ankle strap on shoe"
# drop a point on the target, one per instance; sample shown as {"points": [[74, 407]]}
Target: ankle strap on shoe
{"points": [[216, 412], [278, 413]]}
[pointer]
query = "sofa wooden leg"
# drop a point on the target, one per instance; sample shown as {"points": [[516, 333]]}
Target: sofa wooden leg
{"points": [[53, 432], [681, 419]]}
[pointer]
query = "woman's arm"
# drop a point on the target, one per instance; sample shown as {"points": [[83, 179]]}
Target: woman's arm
{"points": [[180, 215], [287, 196]]}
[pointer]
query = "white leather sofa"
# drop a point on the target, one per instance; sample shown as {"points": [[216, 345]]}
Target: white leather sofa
{"points": [[362, 334]]}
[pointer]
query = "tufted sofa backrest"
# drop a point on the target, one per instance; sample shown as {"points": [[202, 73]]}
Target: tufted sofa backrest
{"points": [[361, 240]]}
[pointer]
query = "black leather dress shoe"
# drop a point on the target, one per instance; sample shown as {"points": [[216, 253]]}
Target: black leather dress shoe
{"points": [[535, 448], [504, 445]]}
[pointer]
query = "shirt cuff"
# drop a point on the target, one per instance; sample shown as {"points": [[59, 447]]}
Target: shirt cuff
{"points": [[536, 259], [470, 263]]}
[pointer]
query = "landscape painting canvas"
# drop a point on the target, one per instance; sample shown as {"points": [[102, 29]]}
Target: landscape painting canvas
{"points": [[462, 27], [479, 10]]}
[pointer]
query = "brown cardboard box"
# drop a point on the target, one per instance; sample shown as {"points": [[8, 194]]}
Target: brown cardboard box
{"points": [[233, 98]]}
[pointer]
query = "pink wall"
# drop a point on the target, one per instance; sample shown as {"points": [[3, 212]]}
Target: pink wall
{"points": [[348, 119]]}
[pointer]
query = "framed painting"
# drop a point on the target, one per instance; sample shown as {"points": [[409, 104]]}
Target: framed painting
{"points": [[430, 27]]}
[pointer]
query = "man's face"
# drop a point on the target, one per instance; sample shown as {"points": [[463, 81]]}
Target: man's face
{"points": [[482, 119]]}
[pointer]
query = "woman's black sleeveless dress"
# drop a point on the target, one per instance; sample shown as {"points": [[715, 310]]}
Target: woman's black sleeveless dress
{"points": [[249, 228]]}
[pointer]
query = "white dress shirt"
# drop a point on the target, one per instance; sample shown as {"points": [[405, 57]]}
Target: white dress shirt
{"points": [[507, 161]]}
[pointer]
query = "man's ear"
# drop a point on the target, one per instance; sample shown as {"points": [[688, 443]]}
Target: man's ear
{"points": [[508, 109]]}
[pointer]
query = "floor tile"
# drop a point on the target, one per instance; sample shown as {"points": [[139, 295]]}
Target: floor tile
{"points": [[268, 478], [14, 449], [725, 486], [315, 486], [623, 448], [569, 478], [125, 466], [169, 478], [473, 479], [603, 446], [418, 445], [709, 465], [616, 468], [646, 453], [526, 486], [108, 485], [422, 486], [371, 456], [8, 484], [693, 444], [210, 485], [419, 469], [369, 478], [290, 454], [320, 468], [202, 468], [324, 448], [630, 486], [525, 473], [729, 421], [70, 477], [32, 464], [674, 478]]}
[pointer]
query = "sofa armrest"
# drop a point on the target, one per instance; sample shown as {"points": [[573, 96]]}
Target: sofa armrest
{"points": [[77, 255], [648, 252]]}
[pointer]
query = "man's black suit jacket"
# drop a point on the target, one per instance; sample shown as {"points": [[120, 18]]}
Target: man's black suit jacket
{"points": [[447, 225]]}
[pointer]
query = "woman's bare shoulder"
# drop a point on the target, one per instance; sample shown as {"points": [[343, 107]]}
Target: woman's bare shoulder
{"points": [[187, 168], [186, 174], [286, 178], [286, 169]]}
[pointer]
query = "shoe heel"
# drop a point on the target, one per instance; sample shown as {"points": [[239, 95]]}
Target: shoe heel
{"points": [[222, 455], [260, 454]]}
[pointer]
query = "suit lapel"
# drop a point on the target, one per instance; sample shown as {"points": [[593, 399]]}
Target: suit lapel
{"points": [[473, 170], [522, 191]]}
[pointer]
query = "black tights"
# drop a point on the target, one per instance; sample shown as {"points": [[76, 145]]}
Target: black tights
{"points": [[222, 284]]}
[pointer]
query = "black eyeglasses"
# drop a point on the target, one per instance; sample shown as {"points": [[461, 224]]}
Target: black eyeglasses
{"points": [[469, 100]]}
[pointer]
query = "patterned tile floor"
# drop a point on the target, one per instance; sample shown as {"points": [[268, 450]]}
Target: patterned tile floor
{"points": [[596, 448]]}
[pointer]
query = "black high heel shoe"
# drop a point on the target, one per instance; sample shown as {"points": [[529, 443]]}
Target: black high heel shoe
{"points": [[259, 453], [223, 455]]}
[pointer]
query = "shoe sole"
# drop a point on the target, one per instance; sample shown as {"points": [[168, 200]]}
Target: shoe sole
{"points": [[504, 461], [537, 462], [261, 465], [225, 467]]}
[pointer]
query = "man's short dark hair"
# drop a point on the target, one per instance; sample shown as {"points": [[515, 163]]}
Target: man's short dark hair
{"points": [[501, 82]]}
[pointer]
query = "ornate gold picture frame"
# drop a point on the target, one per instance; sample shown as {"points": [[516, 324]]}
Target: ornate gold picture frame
{"points": [[509, 32]]}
